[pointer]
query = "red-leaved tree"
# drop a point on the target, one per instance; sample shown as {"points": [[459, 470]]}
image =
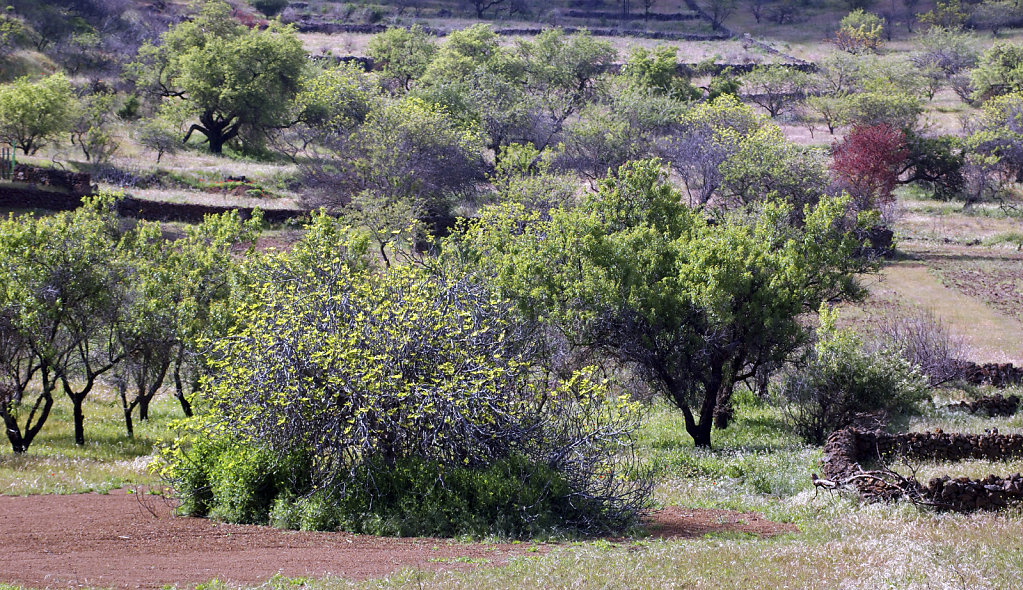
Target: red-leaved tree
{"points": [[867, 164]]}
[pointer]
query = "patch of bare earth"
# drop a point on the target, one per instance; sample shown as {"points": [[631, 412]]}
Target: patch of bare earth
{"points": [[116, 540]]}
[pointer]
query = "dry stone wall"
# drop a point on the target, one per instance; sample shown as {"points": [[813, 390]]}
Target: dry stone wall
{"points": [[846, 449]]}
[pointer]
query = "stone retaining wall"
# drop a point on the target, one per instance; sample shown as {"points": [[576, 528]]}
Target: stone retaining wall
{"points": [[990, 405], [997, 374], [76, 183], [845, 449]]}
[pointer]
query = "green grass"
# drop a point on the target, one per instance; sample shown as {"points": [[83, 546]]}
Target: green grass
{"points": [[108, 460]]}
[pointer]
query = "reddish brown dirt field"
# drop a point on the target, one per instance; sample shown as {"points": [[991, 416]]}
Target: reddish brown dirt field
{"points": [[114, 540]]}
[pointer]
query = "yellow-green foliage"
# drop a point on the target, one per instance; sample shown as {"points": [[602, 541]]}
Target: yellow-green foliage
{"points": [[860, 31], [32, 113], [363, 372]]}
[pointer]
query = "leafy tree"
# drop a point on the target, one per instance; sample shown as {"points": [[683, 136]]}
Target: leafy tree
{"points": [[947, 15], [208, 283], [658, 70], [995, 145], [520, 95], [840, 73], [884, 104], [694, 307], [936, 163], [33, 113], [336, 99], [482, 6], [719, 10], [994, 15], [159, 135], [409, 153], [724, 82], [951, 51], [90, 130], [463, 53], [860, 31], [402, 54], [999, 71], [236, 81], [606, 136], [833, 109], [65, 297], [706, 136], [775, 89], [529, 177], [269, 7], [868, 163]]}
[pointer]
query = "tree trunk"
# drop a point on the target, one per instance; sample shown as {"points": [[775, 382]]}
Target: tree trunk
{"points": [[179, 389], [129, 426], [144, 408], [21, 441], [76, 402]]}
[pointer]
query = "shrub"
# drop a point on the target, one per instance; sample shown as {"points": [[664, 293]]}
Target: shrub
{"points": [[860, 31], [839, 380], [923, 340], [396, 394], [269, 7]]}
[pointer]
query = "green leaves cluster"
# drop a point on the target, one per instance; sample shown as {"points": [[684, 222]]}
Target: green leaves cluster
{"points": [[695, 307], [840, 379], [33, 113], [86, 299], [236, 81]]}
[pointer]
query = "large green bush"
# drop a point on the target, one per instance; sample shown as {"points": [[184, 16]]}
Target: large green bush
{"points": [[401, 402]]}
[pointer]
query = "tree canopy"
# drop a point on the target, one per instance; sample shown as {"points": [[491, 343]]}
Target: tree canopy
{"points": [[695, 307], [236, 81]]}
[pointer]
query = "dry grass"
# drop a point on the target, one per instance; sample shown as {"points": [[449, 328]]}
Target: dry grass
{"points": [[992, 335]]}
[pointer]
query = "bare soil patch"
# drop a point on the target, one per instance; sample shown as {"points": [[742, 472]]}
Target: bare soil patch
{"points": [[116, 540]]}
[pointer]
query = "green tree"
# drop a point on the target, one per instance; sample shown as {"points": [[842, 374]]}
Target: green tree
{"points": [[658, 70], [90, 129], [999, 71], [33, 113], [409, 156], [65, 294], [706, 136], [236, 81], [401, 54], [946, 15], [775, 89], [860, 31], [694, 307]]}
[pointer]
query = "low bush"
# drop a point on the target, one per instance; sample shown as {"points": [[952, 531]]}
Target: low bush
{"points": [[839, 380]]}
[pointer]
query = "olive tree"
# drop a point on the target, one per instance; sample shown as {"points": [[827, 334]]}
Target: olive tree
{"points": [[637, 276]]}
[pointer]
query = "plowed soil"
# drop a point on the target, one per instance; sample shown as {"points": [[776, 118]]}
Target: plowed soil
{"points": [[125, 540]]}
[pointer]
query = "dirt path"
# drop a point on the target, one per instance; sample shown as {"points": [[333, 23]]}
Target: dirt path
{"points": [[114, 540]]}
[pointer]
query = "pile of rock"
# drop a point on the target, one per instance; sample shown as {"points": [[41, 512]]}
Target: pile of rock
{"points": [[845, 449], [991, 405]]}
